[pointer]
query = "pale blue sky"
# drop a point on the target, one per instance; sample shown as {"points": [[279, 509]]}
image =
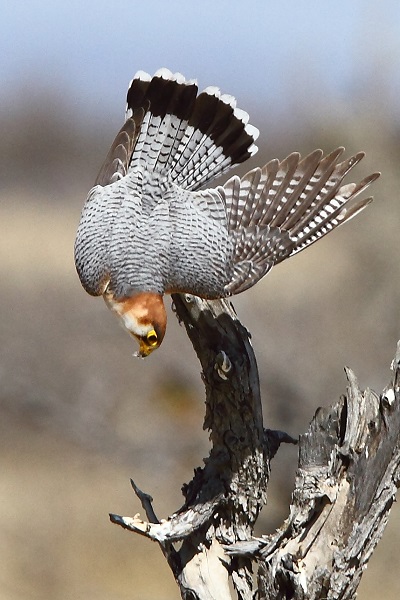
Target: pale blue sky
{"points": [[264, 52]]}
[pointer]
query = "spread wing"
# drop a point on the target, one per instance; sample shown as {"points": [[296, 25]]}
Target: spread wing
{"points": [[283, 208]]}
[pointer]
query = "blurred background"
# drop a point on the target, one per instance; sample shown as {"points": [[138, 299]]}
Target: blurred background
{"points": [[78, 415]]}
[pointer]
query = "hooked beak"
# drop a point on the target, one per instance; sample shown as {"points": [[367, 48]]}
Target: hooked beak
{"points": [[144, 349]]}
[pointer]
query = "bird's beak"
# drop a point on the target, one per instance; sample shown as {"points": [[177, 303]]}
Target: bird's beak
{"points": [[144, 350]]}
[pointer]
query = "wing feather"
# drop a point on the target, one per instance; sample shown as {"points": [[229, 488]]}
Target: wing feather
{"points": [[281, 209]]}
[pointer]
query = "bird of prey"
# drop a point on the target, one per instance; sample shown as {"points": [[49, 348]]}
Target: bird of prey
{"points": [[150, 227]]}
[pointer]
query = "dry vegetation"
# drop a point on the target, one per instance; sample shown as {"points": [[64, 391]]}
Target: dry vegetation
{"points": [[79, 415]]}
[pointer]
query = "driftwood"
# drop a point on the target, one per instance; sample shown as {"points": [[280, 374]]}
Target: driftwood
{"points": [[346, 481]]}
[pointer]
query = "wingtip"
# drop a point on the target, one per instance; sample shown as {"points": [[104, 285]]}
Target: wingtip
{"points": [[354, 160], [374, 176], [349, 212]]}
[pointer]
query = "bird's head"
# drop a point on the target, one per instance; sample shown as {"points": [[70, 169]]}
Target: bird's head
{"points": [[144, 316]]}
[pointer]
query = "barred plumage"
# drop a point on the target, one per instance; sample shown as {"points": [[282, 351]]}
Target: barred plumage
{"points": [[147, 228]]}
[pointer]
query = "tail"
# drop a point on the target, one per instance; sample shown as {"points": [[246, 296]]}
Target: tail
{"points": [[169, 128], [283, 208]]}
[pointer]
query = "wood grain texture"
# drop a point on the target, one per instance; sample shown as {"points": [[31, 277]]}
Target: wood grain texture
{"points": [[346, 481]]}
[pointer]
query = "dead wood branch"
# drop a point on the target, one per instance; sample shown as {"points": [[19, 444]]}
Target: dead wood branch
{"points": [[346, 481]]}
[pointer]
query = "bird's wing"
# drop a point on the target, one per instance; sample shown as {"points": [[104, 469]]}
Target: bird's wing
{"points": [[92, 242], [109, 221], [108, 207], [275, 211], [118, 158]]}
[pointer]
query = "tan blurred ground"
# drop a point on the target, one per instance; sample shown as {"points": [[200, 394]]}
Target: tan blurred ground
{"points": [[79, 416]]}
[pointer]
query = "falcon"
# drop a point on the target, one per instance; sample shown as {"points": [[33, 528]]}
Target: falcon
{"points": [[151, 226]]}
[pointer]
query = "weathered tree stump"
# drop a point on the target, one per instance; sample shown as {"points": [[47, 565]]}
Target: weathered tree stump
{"points": [[345, 484]]}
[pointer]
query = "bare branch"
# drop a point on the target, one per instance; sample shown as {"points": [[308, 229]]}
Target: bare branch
{"points": [[223, 500], [348, 473], [146, 501]]}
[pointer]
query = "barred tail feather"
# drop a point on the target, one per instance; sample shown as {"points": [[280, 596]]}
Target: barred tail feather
{"points": [[168, 101], [193, 138]]}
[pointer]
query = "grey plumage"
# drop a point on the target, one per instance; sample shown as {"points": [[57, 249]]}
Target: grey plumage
{"points": [[147, 226]]}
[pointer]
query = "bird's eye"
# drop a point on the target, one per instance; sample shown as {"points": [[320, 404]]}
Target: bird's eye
{"points": [[152, 338]]}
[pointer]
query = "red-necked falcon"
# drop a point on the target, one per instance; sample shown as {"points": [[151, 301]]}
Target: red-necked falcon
{"points": [[149, 227]]}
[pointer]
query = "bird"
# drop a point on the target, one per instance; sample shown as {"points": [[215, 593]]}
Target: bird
{"points": [[151, 226]]}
